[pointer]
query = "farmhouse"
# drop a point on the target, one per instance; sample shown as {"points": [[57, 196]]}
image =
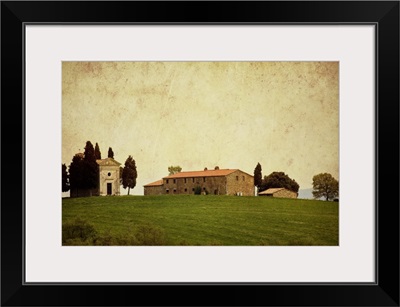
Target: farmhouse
{"points": [[108, 180], [278, 192], [216, 181]]}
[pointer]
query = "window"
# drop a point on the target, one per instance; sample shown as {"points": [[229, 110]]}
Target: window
{"points": [[167, 191], [185, 180], [109, 174], [237, 178], [174, 190], [243, 178], [174, 180], [204, 179], [193, 179], [185, 190], [193, 190], [167, 180], [204, 189]]}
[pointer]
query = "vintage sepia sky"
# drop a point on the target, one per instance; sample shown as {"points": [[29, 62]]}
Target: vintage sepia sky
{"points": [[284, 115]]}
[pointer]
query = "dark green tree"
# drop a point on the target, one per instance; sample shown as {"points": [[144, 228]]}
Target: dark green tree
{"points": [[279, 180], [129, 174], [110, 153], [91, 168], [65, 178], [174, 169], [97, 152], [258, 176], [197, 190], [76, 172], [325, 185]]}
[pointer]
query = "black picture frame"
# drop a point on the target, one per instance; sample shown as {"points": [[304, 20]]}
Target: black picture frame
{"points": [[383, 14]]}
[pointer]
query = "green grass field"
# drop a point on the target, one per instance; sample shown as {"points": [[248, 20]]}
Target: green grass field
{"points": [[199, 220]]}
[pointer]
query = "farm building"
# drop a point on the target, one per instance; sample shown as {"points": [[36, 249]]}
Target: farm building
{"points": [[108, 180], [154, 188], [278, 192], [216, 181]]}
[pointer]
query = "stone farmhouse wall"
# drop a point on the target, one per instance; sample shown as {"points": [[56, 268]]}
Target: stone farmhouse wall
{"points": [[154, 190], [213, 185], [240, 183], [285, 194], [235, 183]]}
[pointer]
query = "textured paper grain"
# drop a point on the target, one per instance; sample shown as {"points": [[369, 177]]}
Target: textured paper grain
{"points": [[284, 115]]}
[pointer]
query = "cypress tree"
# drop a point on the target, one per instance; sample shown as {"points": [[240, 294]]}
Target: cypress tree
{"points": [[110, 153], [129, 174], [97, 152]]}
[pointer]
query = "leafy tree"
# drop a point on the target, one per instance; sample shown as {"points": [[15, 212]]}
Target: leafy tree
{"points": [[258, 176], [97, 152], [110, 153], [83, 170], [76, 172], [279, 180], [197, 190], [65, 178], [324, 185], [129, 174], [174, 169], [91, 168]]}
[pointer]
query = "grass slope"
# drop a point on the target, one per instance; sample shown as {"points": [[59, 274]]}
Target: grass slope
{"points": [[210, 220]]}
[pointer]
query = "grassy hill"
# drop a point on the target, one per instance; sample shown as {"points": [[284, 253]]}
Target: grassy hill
{"points": [[199, 220]]}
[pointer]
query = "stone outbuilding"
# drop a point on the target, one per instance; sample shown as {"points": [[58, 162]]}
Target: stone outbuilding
{"points": [[278, 192], [154, 188], [216, 182]]}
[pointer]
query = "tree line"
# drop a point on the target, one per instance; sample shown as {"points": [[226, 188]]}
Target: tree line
{"points": [[324, 184], [83, 172]]}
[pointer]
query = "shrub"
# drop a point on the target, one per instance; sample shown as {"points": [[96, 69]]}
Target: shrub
{"points": [[78, 232], [148, 234], [197, 190], [115, 240]]}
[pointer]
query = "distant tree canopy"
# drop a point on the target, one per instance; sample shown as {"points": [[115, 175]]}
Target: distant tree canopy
{"points": [[257, 176], [174, 169], [97, 152], [91, 168], [84, 170], [129, 174], [279, 180], [65, 178], [76, 172], [110, 153], [324, 185]]}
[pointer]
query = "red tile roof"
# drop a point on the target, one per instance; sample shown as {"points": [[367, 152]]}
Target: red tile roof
{"points": [[154, 184], [208, 173]]}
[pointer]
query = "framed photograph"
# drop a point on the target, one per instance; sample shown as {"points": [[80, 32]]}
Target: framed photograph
{"points": [[248, 147]]}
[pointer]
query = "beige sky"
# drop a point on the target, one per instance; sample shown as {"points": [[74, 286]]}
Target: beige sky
{"points": [[284, 115]]}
